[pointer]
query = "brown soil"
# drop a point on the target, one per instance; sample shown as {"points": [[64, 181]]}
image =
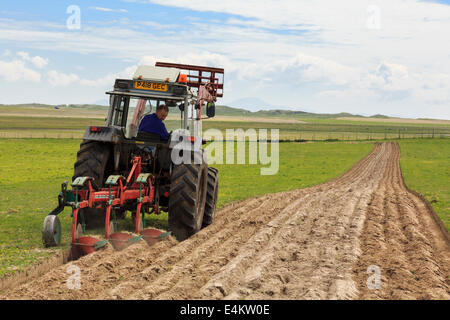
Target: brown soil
{"points": [[401, 236], [314, 243]]}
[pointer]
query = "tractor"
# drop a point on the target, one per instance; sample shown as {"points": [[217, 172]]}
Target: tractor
{"points": [[120, 169]]}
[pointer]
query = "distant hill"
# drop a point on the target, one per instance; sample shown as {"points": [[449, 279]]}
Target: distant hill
{"points": [[277, 113], [88, 106], [229, 111], [27, 105], [220, 111], [379, 116], [40, 105]]}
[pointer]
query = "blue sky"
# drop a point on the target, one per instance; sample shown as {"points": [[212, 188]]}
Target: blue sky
{"points": [[358, 56]]}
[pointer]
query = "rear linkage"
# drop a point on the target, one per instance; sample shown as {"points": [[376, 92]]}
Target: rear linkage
{"points": [[137, 189]]}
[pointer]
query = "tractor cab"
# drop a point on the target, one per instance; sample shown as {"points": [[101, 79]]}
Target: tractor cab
{"points": [[185, 89]]}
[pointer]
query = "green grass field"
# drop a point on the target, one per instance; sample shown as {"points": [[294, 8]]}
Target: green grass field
{"points": [[40, 122], [31, 171], [50, 127], [426, 169]]}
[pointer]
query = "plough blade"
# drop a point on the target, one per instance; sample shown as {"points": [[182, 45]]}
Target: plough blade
{"points": [[87, 244], [120, 240], [152, 236]]}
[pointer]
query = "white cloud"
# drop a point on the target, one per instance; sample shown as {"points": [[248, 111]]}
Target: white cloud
{"points": [[300, 52], [201, 58], [303, 68], [337, 29], [57, 79], [37, 61], [16, 70], [108, 9], [62, 79], [107, 81], [24, 55], [159, 26]]}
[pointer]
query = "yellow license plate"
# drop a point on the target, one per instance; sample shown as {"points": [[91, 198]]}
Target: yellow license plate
{"points": [[147, 85]]}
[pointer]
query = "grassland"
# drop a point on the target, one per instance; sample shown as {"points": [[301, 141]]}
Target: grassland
{"points": [[53, 127], [46, 122], [426, 169], [31, 171]]}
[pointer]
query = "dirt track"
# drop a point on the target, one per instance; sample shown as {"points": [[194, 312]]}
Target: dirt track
{"points": [[314, 243]]}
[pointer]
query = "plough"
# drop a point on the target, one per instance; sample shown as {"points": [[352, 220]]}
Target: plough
{"points": [[135, 190]]}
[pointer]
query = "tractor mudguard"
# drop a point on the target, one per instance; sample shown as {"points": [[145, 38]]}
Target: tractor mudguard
{"points": [[103, 134]]}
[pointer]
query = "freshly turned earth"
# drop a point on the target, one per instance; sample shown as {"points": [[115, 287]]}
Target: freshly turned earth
{"points": [[314, 243]]}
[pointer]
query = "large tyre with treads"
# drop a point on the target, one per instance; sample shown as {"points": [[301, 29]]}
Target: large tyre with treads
{"points": [[93, 161], [187, 198], [212, 190]]}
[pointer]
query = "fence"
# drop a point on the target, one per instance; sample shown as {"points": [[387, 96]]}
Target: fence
{"points": [[40, 135], [355, 133]]}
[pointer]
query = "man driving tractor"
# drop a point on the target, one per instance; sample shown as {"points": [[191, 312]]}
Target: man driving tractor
{"points": [[153, 123]]}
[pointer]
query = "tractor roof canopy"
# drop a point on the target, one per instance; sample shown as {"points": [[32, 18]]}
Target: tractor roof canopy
{"points": [[156, 73], [170, 81]]}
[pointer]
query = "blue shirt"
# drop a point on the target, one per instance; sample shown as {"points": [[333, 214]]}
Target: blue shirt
{"points": [[150, 123]]}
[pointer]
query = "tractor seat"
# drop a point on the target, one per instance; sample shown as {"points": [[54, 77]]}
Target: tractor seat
{"points": [[149, 137]]}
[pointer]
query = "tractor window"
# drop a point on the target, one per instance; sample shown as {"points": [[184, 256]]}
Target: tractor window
{"points": [[136, 111], [119, 110], [174, 119], [133, 110]]}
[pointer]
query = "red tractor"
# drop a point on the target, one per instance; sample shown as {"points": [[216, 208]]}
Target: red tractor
{"points": [[119, 169]]}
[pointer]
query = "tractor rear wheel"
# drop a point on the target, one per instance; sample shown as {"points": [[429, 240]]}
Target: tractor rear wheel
{"points": [[92, 161], [212, 190], [187, 199]]}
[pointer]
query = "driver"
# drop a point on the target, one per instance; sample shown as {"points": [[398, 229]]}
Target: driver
{"points": [[153, 123]]}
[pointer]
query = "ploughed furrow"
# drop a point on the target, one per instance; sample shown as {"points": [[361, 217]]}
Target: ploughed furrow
{"points": [[404, 243], [261, 270], [303, 265], [186, 277], [314, 243], [213, 247]]}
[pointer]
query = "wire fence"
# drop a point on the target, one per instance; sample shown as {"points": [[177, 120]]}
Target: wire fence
{"points": [[40, 135], [365, 134]]}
